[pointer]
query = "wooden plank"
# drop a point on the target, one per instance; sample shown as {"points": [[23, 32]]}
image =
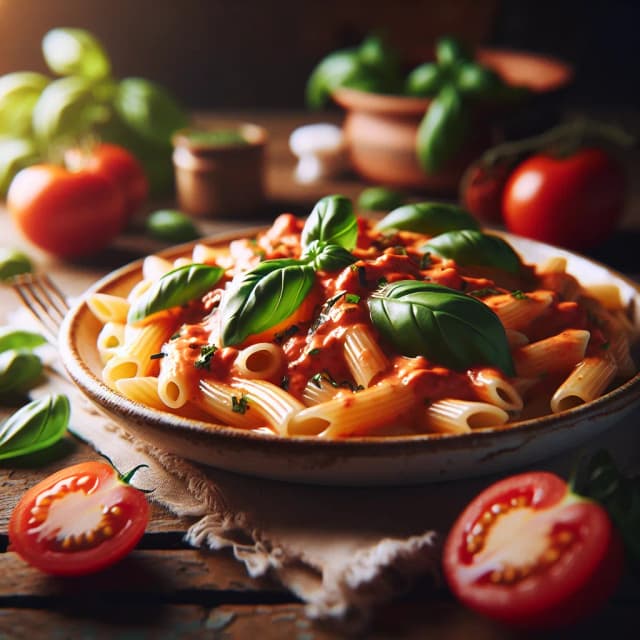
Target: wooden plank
{"points": [[156, 574]]}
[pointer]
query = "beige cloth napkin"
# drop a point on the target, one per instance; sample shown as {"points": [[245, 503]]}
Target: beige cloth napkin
{"points": [[340, 550]]}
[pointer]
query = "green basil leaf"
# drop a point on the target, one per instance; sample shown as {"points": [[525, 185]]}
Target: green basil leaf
{"points": [[446, 326], [264, 297], [425, 80], [450, 51], [175, 288], [18, 371], [327, 257], [379, 199], [35, 426], [75, 52], [382, 62], [333, 221], [13, 263], [336, 70], [170, 225], [442, 131], [19, 339], [149, 109], [469, 247], [431, 218], [19, 92], [477, 81]]}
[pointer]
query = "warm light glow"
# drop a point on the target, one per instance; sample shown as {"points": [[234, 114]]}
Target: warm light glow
{"points": [[527, 186]]}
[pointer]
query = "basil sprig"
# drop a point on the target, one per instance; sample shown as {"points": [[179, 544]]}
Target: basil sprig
{"points": [[446, 326], [430, 218], [19, 339], [332, 220], [327, 257], [469, 247], [266, 295], [18, 371], [36, 426], [175, 288]]}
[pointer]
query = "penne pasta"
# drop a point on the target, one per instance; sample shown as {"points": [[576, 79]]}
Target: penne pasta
{"points": [[491, 387], [608, 295], [462, 416], [110, 339], [153, 267], [225, 404], [142, 389], [364, 357], [261, 361], [318, 389], [517, 313], [108, 308]]}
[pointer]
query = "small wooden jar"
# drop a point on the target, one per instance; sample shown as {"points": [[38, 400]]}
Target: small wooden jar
{"points": [[219, 171]]}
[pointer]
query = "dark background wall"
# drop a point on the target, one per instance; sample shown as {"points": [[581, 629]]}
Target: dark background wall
{"points": [[246, 53]]}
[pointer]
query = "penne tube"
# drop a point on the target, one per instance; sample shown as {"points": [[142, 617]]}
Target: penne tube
{"points": [[620, 351], [556, 264], [555, 354], [608, 295], [142, 389], [110, 339], [261, 361], [462, 416], [318, 389], [364, 357], [491, 387], [154, 267], [518, 313], [138, 290], [355, 413], [108, 308], [585, 383], [225, 404]]}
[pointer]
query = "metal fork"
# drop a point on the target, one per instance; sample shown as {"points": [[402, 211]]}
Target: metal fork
{"points": [[43, 298]]}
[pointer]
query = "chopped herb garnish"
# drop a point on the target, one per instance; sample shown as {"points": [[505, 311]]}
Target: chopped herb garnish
{"points": [[157, 356], [483, 293], [352, 298], [317, 379], [605, 345], [239, 405], [362, 276], [519, 295], [206, 353], [323, 316], [284, 383], [399, 251], [425, 260], [175, 336], [314, 352], [281, 336], [382, 282]]}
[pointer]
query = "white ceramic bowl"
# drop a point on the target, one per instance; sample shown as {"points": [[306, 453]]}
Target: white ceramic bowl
{"points": [[356, 461]]}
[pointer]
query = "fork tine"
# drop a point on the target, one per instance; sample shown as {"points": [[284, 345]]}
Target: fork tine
{"points": [[43, 298]]}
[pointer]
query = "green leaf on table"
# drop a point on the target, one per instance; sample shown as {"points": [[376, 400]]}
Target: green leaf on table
{"points": [[442, 131], [379, 199], [19, 370], [75, 52], [324, 256], [332, 220], [175, 288], [19, 339], [149, 109], [13, 262], [469, 247], [431, 218], [445, 326], [36, 426], [264, 297], [19, 92]]}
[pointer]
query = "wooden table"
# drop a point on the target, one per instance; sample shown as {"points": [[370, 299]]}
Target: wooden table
{"points": [[165, 589]]}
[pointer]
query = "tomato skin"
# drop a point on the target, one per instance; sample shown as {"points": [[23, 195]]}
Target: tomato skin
{"points": [[573, 202], [481, 191], [119, 165], [67, 214], [36, 545], [556, 594]]}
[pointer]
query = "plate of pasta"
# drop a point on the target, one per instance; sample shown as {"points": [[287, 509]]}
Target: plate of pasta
{"points": [[342, 350]]}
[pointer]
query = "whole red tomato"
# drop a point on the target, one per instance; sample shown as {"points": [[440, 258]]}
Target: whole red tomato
{"points": [[65, 213], [116, 163], [78, 520], [574, 201], [530, 553]]}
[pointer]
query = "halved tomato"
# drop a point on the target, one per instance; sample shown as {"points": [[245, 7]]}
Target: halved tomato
{"points": [[78, 520], [528, 552]]}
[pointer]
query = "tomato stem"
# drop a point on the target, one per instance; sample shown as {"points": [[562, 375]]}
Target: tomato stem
{"points": [[126, 478]]}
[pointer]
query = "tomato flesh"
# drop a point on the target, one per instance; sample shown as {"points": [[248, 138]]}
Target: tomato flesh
{"points": [[78, 520], [528, 553]]}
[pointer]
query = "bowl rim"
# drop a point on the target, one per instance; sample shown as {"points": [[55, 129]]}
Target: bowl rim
{"points": [[626, 394]]}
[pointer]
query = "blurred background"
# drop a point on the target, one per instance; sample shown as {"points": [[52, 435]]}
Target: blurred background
{"points": [[230, 54]]}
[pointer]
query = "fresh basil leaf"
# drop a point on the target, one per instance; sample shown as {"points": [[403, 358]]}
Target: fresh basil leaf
{"points": [[75, 52], [35, 426], [149, 109], [19, 339], [425, 80], [450, 51], [382, 62], [446, 326], [327, 257], [13, 263], [379, 199], [264, 297], [170, 225], [469, 247], [175, 288], [477, 81], [19, 92], [431, 218], [332, 220], [338, 69], [18, 371], [442, 130]]}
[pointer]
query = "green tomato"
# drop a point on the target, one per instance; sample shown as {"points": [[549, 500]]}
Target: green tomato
{"points": [[13, 262], [75, 52], [15, 154], [19, 93], [170, 225]]}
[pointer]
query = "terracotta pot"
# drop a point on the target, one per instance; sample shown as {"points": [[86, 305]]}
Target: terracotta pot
{"points": [[381, 129]]}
